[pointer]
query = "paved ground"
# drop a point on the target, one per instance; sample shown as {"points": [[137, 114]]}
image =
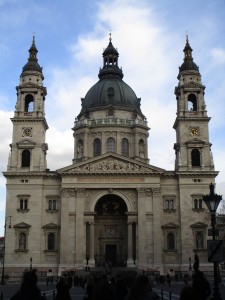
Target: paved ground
{"points": [[77, 293]]}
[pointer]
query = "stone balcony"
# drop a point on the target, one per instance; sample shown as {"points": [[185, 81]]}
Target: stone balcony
{"points": [[110, 121]]}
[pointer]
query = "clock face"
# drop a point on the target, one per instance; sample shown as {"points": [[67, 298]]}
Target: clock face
{"points": [[27, 132], [194, 131]]}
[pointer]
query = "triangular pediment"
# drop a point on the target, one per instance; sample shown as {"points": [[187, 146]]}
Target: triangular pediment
{"points": [[51, 226], [26, 142], [169, 225], [22, 225], [195, 141], [199, 225], [111, 163]]}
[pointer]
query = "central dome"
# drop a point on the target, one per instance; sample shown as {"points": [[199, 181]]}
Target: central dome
{"points": [[110, 90], [113, 92]]}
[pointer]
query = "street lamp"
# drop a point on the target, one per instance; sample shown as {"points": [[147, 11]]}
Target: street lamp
{"points": [[30, 263], [3, 248], [190, 268], [212, 201]]}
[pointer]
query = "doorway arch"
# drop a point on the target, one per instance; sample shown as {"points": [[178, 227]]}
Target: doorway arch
{"points": [[110, 231]]}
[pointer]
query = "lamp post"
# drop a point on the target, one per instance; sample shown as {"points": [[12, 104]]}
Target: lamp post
{"points": [[30, 263], [190, 267], [3, 253], [212, 201]]}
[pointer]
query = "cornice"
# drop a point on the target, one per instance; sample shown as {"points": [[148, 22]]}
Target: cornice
{"points": [[31, 174]]}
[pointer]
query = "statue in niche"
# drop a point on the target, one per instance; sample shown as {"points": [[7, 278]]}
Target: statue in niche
{"points": [[22, 241]]}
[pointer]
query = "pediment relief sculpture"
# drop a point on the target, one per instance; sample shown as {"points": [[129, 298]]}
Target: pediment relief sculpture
{"points": [[112, 165]]}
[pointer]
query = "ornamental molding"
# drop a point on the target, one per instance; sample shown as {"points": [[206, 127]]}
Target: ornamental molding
{"points": [[192, 85], [144, 192], [71, 192]]}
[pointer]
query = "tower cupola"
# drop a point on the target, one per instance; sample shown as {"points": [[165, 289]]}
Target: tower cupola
{"points": [[188, 64], [32, 64]]}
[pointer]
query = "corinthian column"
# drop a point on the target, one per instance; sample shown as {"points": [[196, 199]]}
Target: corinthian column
{"points": [[129, 245], [92, 243]]}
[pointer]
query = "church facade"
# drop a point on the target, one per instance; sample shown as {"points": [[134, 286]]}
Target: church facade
{"points": [[110, 204]]}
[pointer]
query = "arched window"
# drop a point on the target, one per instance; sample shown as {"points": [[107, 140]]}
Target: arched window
{"points": [[199, 240], [51, 241], [22, 241], [97, 147], [200, 203], [170, 241], [192, 102], [125, 147], [29, 103], [195, 158], [25, 158], [111, 145]]}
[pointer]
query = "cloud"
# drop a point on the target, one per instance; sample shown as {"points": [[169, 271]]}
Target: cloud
{"points": [[218, 55]]}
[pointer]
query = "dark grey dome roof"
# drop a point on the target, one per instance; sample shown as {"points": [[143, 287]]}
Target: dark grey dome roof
{"points": [[113, 92], [32, 66], [110, 89], [188, 65]]}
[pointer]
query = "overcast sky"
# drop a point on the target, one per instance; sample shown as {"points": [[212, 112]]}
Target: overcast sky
{"points": [[150, 37]]}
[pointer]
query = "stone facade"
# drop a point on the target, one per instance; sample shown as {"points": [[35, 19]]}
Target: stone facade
{"points": [[110, 204]]}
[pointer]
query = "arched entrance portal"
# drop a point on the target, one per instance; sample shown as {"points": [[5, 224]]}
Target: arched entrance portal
{"points": [[110, 231]]}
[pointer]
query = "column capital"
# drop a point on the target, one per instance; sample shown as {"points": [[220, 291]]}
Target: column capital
{"points": [[144, 192]]}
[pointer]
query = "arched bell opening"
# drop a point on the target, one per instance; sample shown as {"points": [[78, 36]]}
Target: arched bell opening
{"points": [[111, 232]]}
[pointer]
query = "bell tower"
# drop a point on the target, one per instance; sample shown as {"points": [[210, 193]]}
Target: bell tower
{"points": [[192, 147], [28, 148]]}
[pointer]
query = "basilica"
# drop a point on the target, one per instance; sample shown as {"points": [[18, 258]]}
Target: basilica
{"points": [[110, 205]]}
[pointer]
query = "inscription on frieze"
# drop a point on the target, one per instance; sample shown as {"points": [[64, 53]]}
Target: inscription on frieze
{"points": [[111, 179]]}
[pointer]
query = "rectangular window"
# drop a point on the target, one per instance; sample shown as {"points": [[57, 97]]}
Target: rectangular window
{"points": [[197, 202], [51, 204], [23, 204], [169, 204]]}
